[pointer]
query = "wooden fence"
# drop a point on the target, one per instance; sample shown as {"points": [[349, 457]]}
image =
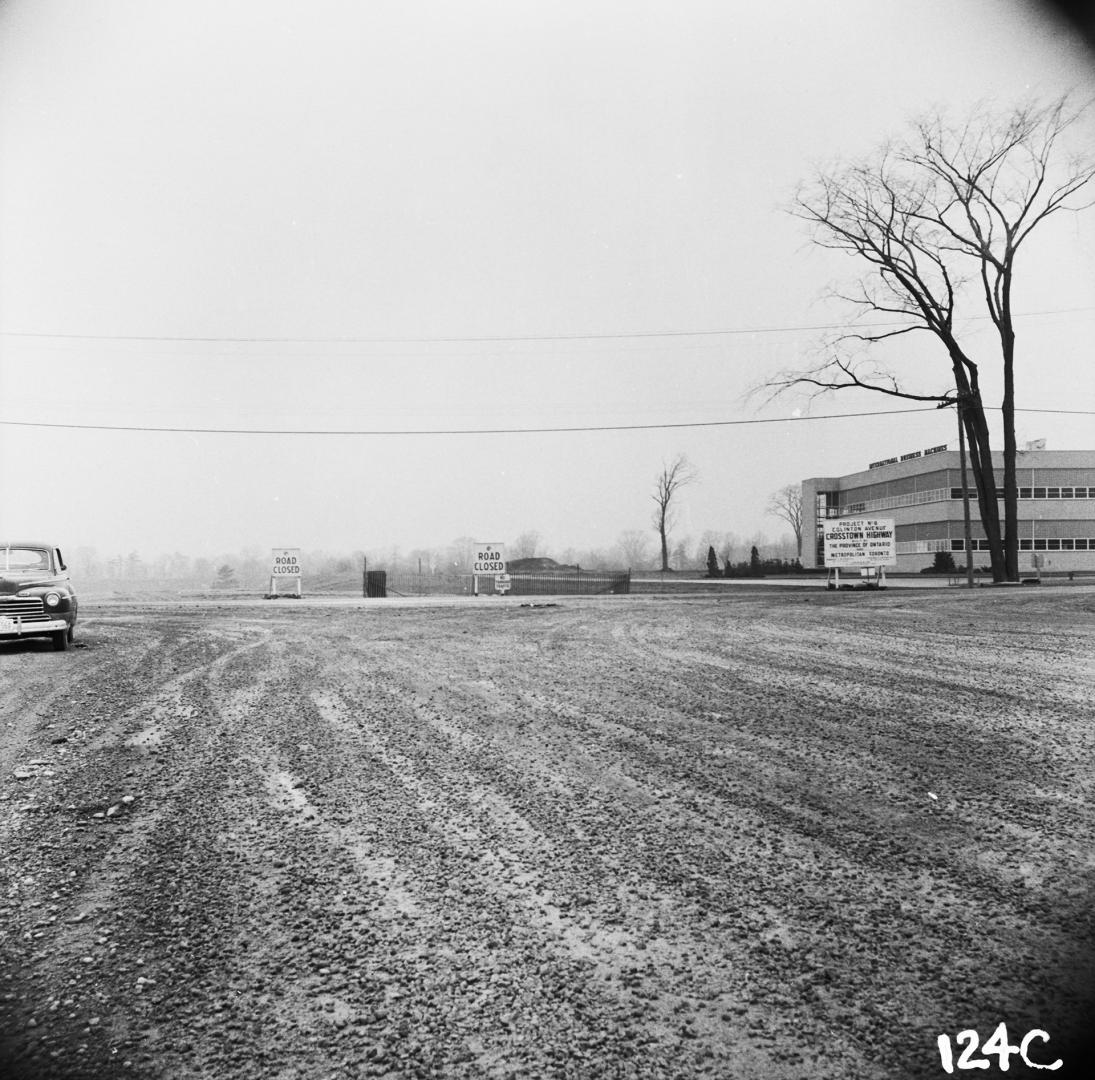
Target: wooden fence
{"points": [[563, 582], [545, 583]]}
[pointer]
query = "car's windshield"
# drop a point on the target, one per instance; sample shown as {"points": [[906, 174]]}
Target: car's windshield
{"points": [[24, 558]]}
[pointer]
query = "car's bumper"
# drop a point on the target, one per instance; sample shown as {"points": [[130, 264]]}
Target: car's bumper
{"points": [[18, 628]]}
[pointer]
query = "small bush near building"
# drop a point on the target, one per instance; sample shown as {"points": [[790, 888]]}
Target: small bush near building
{"points": [[713, 563], [757, 567], [943, 563]]}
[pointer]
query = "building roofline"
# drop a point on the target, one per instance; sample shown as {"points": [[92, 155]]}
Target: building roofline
{"points": [[919, 463]]}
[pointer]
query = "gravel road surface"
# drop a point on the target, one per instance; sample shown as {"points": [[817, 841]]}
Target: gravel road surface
{"points": [[760, 835]]}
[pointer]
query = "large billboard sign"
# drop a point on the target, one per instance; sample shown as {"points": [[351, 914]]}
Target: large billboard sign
{"points": [[859, 542]]}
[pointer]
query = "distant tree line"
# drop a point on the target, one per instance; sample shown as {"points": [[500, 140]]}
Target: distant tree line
{"points": [[249, 568]]}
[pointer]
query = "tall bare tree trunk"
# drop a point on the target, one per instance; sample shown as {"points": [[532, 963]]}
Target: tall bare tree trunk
{"points": [[972, 412], [1007, 408], [977, 436]]}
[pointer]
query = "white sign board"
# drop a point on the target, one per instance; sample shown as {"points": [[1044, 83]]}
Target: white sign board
{"points": [[285, 563], [859, 542], [489, 559]]}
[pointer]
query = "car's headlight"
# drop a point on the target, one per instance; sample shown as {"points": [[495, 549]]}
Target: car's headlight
{"points": [[52, 599]]}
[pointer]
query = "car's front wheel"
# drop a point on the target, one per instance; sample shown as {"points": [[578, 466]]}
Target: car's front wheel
{"points": [[61, 639]]}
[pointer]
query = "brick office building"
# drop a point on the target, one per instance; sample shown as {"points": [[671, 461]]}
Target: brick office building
{"points": [[922, 492]]}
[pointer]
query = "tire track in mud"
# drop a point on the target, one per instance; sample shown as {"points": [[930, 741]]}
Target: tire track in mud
{"points": [[928, 826], [427, 914], [654, 912], [999, 912], [202, 852], [365, 848], [477, 828], [120, 787]]}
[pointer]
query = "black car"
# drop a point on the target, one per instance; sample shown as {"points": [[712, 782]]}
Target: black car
{"points": [[36, 596]]}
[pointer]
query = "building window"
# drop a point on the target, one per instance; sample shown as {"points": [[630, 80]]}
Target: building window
{"points": [[1044, 493], [1026, 543], [956, 493]]}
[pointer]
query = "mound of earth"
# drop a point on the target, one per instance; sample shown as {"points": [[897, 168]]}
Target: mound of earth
{"points": [[539, 565]]}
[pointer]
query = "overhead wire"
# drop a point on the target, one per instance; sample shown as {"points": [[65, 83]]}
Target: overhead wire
{"points": [[623, 335], [151, 429]]}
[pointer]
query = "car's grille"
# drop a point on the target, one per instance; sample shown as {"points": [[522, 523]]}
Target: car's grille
{"points": [[27, 608]]}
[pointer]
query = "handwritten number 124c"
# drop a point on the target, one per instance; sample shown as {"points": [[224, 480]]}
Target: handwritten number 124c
{"points": [[996, 1044]]}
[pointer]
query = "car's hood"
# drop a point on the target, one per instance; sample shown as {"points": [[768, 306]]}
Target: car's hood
{"points": [[11, 581]]}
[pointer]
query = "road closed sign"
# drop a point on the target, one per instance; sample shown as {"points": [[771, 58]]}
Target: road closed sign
{"points": [[285, 563], [489, 559], [859, 542]]}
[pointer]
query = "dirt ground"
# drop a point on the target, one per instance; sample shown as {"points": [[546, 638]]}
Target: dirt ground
{"points": [[769, 834]]}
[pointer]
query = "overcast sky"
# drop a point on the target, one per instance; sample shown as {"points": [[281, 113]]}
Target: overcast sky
{"points": [[432, 217]]}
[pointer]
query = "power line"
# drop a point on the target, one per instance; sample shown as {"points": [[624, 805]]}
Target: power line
{"points": [[635, 334], [496, 431]]}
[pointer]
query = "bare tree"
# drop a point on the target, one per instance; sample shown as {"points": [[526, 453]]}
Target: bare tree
{"points": [[524, 547], [458, 555], [680, 556], [634, 547], [941, 218], [671, 479], [787, 504]]}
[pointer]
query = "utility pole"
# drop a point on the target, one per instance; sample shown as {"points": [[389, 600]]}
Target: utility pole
{"points": [[965, 494]]}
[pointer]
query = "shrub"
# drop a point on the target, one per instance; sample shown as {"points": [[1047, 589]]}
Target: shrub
{"points": [[942, 563], [712, 563]]}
